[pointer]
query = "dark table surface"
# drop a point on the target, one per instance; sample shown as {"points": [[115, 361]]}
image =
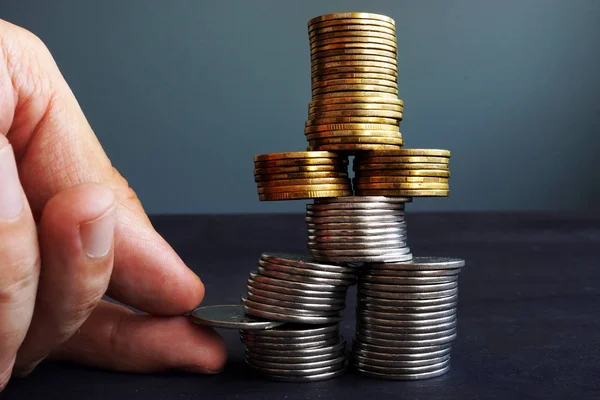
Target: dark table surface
{"points": [[529, 312]]}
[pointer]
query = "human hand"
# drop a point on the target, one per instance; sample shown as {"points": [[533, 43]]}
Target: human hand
{"points": [[52, 279]]}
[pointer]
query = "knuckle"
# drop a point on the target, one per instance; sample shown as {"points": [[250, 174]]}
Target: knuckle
{"points": [[19, 275]]}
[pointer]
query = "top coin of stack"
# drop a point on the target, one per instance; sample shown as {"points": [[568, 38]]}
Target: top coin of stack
{"points": [[301, 175], [354, 70]]}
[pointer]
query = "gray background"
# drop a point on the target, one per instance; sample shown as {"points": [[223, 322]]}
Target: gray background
{"points": [[182, 94]]}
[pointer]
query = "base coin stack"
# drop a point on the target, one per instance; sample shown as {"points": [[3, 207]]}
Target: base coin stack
{"points": [[357, 229], [301, 175], [405, 172], [296, 353], [355, 103], [294, 288], [406, 318]]}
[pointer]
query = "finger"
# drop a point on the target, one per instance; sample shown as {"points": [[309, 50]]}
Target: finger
{"points": [[115, 338], [19, 262], [56, 149], [76, 242]]}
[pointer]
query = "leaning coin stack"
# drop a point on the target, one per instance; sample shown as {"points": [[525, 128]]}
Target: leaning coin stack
{"points": [[301, 175], [406, 318], [355, 229], [354, 79], [404, 172]]}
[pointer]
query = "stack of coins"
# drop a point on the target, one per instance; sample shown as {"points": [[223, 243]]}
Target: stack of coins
{"points": [[296, 353], [355, 103], [406, 318], [294, 288], [301, 175], [357, 229], [404, 172]]}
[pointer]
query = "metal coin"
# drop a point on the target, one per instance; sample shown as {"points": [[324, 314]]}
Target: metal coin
{"points": [[312, 352], [356, 88], [332, 47], [291, 304], [356, 232], [363, 226], [359, 66], [303, 319], [396, 217], [383, 330], [410, 166], [402, 370], [326, 296], [351, 126], [355, 106], [354, 120], [295, 372], [368, 306], [301, 168], [406, 152], [353, 81], [417, 316], [318, 41], [295, 162], [402, 186], [376, 159], [405, 343], [305, 278], [413, 350], [407, 280], [303, 261], [304, 188], [294, 331], [390, 256], [341, 29], [436, 287], [311, 194], [324, 239], [395, 357], [285, 359], [359, 252], [405, 377], [296, 299], [425, 263], [356, 140], [308, 378], [365, 180], [403, 172], [315, 287], [408, 302], [362, 199], [419, 295], [253, 344], [358, 100], [406, 192], [356, 207], [295, 155], [405, 323], [355, 213], [329, 135], [399, 363], [308, 271], [354, 19], [377, 271], [389, 244], [402, 336], [300, 366], [362, 55], [300, 175], [254, 305], [346, 15], [303, 182], [230, 316]]}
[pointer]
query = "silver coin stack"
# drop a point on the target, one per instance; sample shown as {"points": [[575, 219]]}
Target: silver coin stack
{"points": [[406, 318], [311, 298], [357, 229]]}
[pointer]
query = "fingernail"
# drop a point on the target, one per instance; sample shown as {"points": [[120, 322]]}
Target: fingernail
{"points": [[11, 194], [97, 235]]}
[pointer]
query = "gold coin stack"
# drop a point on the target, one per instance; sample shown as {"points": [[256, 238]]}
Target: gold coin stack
{"points": [[354, 79], [301, 175], [404, 173]]}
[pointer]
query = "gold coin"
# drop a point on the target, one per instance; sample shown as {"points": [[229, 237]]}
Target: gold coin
{"points": [[354, 147], [350, 88], [300, 175], [412, 166], [311, 194], [353, 75], [301, 168], [347, 15], [301, 188], [299, 161], [400, 160], [351, 21], [402, 186], [411, 152], [403, 193], [354, 81], [355, 51], [354, 58], [357, 93], [441, 173], [302, 182], [356, 113], [357, 100], [295, 154], [351, 127], [358, 139], [364, 180], [352, 133], [341, 29], [389, 35], [356, 106], [356, 120], [353, 45], [319, 42], [352, 68], [322, 68]]}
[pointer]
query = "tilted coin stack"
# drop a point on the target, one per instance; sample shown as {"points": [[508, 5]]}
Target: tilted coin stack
{"points": [[356, 229]]}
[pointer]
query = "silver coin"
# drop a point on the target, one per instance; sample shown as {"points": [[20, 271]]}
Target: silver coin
{"points": [[405, 343], [376, 334], [407, 280], [298, 285], [289, 346], [377, 206], [397, 330], [353, 246], [298, 318], [288, 339], [405, 323], [294, 360], [359, 252], [309, 272], [299, 366], [296, 299], [436, 287], [292, 304], [304, 278], [312, 352], [443, 301], [355, 214], [318, 238], [407, 316], [294, 330], [390, 357], [230, 316], [308, 378], [362, 199], [424, 263], [402, 370], [399, 363], [339, 224], [405, 377], [433, 295], [411, 350], [325, 295], [389, 256], [354, 231], [404, 309], [303, 261], [288, 310], [409, 273], [296, 372]]}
